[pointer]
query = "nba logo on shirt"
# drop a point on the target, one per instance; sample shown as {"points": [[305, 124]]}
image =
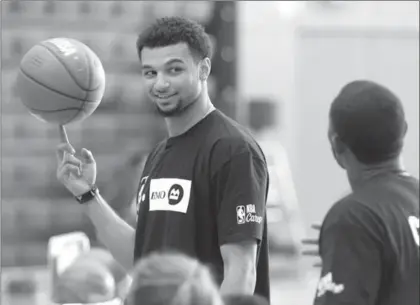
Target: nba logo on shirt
{"points": [[240, 214]]}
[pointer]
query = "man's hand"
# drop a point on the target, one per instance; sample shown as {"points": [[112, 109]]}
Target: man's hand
{"points": [[312, 242], [76, 175]]}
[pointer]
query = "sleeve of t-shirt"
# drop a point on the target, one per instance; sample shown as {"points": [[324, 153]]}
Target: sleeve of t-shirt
{"points": [[351, 266], [240, 187]]}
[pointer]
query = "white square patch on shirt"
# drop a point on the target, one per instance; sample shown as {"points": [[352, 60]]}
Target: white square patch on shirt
{"points": [[169, 194]]}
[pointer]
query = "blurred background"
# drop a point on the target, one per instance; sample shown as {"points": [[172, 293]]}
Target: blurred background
{"points": [[276, 68]]}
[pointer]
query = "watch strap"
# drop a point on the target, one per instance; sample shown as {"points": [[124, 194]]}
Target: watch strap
{"points": [[88, 196]]}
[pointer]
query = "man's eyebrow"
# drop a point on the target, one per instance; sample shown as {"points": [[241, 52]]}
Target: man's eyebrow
{"points": [[169, 62], [174, 60]]}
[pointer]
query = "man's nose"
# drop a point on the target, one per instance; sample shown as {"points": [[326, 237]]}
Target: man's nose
{"points": [[161, 84]]}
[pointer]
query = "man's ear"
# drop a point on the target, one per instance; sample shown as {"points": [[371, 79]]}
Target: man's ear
{"points": [[405, 128], [339, 145], [205, 69]]}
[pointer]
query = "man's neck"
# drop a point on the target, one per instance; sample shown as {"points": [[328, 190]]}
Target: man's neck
{"points": [[361, 173], [177, 125]]}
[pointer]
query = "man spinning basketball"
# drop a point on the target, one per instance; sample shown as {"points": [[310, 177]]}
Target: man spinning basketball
{"points": [[197, 184]]}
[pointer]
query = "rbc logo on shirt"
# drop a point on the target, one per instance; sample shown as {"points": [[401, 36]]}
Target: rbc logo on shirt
{"points": [[175, 194]]}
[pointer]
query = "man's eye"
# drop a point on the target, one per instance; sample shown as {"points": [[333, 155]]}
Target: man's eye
{"points": [[149, 73], [175, 70]]}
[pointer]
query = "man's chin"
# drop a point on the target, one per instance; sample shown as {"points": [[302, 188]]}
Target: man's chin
{"points": [[168, 112], [174, 109]]}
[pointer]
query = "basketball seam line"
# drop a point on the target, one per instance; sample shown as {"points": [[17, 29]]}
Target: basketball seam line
{"points": [[52, 89], [90, 83], [87, 92], [51, 111], [63, 64], [89, 70], [68, 71], [77, 113]]}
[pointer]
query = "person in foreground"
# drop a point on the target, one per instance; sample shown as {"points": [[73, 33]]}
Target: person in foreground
{"points": [[203, 190], [172, 278], [93, 278], [369, 240]]}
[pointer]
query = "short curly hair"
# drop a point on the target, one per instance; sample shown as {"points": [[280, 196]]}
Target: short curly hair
{"points": [[370, 120], [172, 278], [173, 30]]}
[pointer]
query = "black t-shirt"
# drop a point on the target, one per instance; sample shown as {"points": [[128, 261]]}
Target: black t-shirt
{"points": [[202, 189], [369, 245]]}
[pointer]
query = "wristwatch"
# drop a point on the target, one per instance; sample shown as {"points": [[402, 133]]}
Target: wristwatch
{"points": [[88, 196]]}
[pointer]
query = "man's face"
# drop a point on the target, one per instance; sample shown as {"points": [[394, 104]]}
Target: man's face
{"points": [[171, 76]]}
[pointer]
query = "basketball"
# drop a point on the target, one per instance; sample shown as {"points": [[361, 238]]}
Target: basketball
{"points": [[61, 81]]}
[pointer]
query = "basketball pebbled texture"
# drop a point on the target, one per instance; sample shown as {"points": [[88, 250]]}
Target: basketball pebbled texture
{"points": [[61, 80]]}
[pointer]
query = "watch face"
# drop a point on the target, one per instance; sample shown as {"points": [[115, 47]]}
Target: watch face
{"points": [[87, 196]]}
